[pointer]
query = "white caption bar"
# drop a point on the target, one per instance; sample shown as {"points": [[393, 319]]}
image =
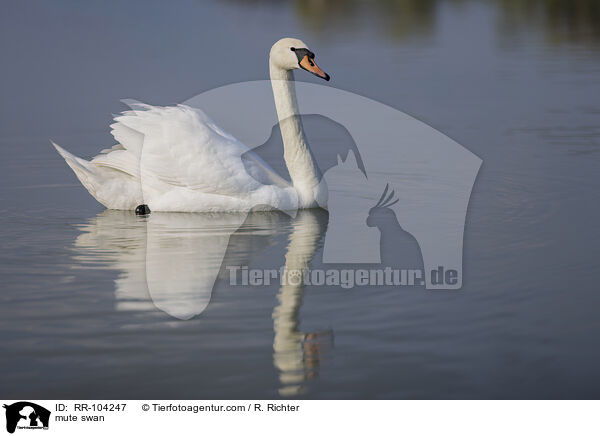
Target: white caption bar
{"points": [[158, 417]]}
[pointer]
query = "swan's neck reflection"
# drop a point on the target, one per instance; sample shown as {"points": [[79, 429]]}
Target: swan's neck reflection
{"points": [[296, 354]]}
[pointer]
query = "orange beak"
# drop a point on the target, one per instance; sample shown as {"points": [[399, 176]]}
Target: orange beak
{"points": [[309, 65]]}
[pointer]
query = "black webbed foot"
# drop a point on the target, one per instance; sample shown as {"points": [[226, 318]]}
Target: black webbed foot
{"points": [[142, 209]]}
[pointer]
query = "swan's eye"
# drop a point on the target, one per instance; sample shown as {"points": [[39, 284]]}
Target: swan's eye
{"points": [[292, 49]]}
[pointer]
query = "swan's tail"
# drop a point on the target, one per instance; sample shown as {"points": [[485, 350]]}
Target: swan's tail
{"points": [[82, 169], [113, 187], [80, 166]]}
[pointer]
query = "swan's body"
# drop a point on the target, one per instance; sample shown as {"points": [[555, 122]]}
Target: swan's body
{"points": [[176, 158]]}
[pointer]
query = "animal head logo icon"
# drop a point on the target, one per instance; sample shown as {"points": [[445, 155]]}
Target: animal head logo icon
{"points": [[26, 415]]}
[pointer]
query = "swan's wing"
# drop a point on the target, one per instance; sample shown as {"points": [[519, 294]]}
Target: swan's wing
{"points": [[182, 147]]}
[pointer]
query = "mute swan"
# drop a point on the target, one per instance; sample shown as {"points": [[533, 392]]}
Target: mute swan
{"points": [[176, 159]]}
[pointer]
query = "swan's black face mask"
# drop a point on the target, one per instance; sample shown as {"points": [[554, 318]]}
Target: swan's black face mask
{"points": [[306, 61]]}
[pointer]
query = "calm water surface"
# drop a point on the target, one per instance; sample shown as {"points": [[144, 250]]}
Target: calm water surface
{"points": [[94, 303]]}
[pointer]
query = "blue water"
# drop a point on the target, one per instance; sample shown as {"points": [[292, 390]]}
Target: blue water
{"points": [[80, 318]]}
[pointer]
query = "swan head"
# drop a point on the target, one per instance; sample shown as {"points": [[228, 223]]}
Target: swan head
{"points": [[291, 54]]}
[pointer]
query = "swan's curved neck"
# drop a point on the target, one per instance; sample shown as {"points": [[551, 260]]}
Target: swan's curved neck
{"points": [[303, 170]]}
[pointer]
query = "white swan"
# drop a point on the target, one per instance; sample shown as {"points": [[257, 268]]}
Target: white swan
{"points": [[176, 159]]}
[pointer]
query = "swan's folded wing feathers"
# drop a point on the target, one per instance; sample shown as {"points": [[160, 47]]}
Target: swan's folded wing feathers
{"points": [[120, 160], [182, 147], [129, 138], [177, 158], [113, 148]]}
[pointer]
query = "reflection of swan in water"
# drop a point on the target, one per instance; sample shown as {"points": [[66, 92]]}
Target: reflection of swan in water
{"points": [[296, 354], [172, 260], [183, 259], [117, 240]]}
